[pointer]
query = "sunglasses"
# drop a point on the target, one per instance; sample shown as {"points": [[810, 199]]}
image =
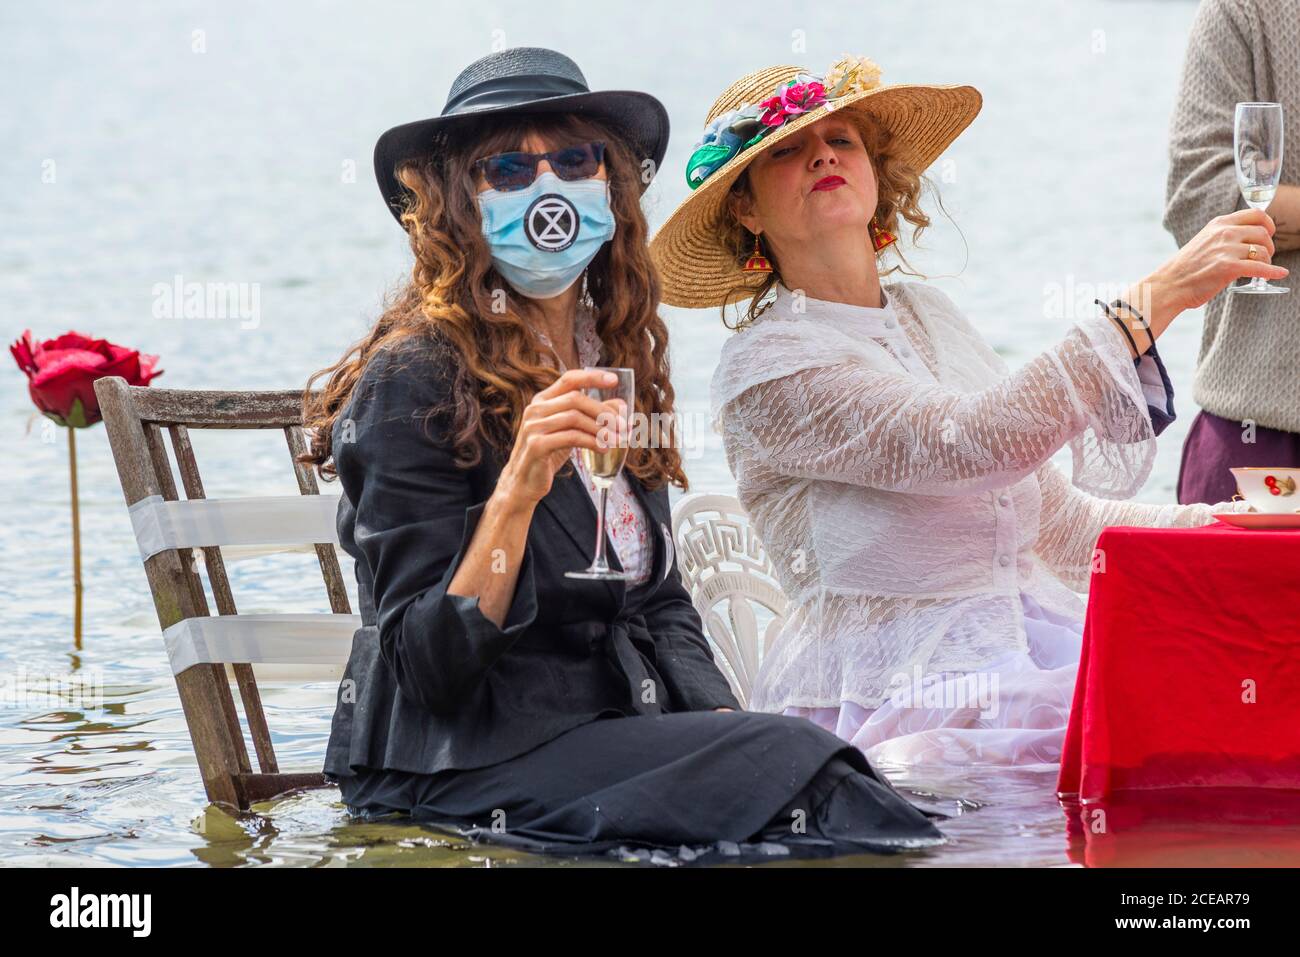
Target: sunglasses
{"points": [[510, 171]]}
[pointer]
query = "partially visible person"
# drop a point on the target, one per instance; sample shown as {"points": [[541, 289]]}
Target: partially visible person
{"points": [[1248, 371]]}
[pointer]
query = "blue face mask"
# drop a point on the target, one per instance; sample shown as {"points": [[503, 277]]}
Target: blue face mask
{"points": [[543, 237]]}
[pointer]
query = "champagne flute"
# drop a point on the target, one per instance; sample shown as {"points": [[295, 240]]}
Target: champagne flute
{"points": [[1257, 147], [605, 464]]}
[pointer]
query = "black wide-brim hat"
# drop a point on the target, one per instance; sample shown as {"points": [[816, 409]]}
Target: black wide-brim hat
{"points": [[521, 80]]}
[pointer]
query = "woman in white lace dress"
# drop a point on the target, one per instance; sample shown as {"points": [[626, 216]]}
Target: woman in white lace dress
{"points": [[897, 471]]}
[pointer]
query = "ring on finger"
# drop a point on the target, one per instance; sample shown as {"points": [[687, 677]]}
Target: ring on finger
{"points": [[1250, 254]]}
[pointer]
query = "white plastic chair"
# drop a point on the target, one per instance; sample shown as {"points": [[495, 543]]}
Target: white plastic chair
{"points": [[726, 569]]}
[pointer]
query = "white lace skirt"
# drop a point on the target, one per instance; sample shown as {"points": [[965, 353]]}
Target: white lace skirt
{"points": [[1013, 712]]}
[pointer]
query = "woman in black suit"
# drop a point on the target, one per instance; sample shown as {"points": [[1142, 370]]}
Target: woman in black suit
{"points": [[486, 691]]}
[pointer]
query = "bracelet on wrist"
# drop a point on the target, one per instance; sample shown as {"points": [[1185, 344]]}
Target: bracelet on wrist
{"points": [[1141, 319], [1120, 303], [1137, 353]]}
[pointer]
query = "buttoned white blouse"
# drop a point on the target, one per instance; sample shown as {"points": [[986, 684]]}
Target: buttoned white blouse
{"points": [[898, 474]]}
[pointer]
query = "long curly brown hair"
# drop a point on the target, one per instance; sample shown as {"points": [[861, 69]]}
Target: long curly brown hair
{"points": [[456, 296], [898, 189]]}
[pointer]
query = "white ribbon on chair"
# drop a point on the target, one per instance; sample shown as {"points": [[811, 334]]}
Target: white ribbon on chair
{"points": [[297, 646], [244, 527], [281, 646]]}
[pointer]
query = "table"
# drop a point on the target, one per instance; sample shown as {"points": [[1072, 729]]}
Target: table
{"points": [[1189, 676]]}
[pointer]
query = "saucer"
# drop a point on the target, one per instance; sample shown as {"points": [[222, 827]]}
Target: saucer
{"points": [[1260, 519]]}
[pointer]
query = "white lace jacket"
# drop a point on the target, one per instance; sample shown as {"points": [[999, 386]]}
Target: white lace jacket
{"points": [[905, 504]]}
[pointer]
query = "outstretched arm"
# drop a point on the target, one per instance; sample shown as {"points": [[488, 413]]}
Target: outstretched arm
{"points": [[853, 422], [1071, 520]]}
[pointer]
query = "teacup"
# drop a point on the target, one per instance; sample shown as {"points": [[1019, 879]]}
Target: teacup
{"points": [[1272, 490]]}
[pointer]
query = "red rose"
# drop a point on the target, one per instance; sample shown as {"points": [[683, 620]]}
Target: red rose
{"points": [[61, 373], [795, 99], [802, 97], [773, 111]]}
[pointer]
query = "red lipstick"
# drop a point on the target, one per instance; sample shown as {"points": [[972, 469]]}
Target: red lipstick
{"points": [[829, 182]]}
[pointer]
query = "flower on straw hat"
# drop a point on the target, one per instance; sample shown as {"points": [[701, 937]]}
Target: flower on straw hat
{"points": [[798, 97], [852, 74], [724, 138], [737, 130]]}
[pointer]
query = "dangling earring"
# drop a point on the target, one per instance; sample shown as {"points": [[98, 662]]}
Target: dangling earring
{"points": [[757, 262], [880, 238]]}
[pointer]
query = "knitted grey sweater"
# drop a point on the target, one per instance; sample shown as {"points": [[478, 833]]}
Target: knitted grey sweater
{"points": [[1238, 50]]}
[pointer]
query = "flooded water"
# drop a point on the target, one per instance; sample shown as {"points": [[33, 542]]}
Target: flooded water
{"points": [[232, 143]]}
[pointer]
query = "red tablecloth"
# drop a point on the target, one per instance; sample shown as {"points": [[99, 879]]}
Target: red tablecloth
{"points": [[1190, 670]]}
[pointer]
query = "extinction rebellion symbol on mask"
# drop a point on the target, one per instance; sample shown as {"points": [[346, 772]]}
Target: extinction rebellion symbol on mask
{"points": [[551, 223]]}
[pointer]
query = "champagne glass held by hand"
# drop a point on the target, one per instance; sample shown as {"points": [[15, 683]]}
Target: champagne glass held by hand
{"points": [[1257, 147], [604, 464]]}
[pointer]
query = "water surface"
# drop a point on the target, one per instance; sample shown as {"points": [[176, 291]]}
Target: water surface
{"points": [[232, 142]]}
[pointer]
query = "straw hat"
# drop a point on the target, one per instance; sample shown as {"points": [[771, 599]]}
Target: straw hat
{"points": [[695, 271]]}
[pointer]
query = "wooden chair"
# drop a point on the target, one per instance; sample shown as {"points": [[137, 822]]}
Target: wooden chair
{"points": [[726, 569], [207, 651]]}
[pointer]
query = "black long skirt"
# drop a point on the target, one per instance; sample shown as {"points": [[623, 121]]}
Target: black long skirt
{"points": [[704, 785]]}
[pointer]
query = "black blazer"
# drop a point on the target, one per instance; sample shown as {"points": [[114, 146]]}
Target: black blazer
{"points": [[431, 683]]}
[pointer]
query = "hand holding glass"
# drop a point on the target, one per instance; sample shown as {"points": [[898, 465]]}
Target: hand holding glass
{"points": [[1257, 146], [605, 464]]}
